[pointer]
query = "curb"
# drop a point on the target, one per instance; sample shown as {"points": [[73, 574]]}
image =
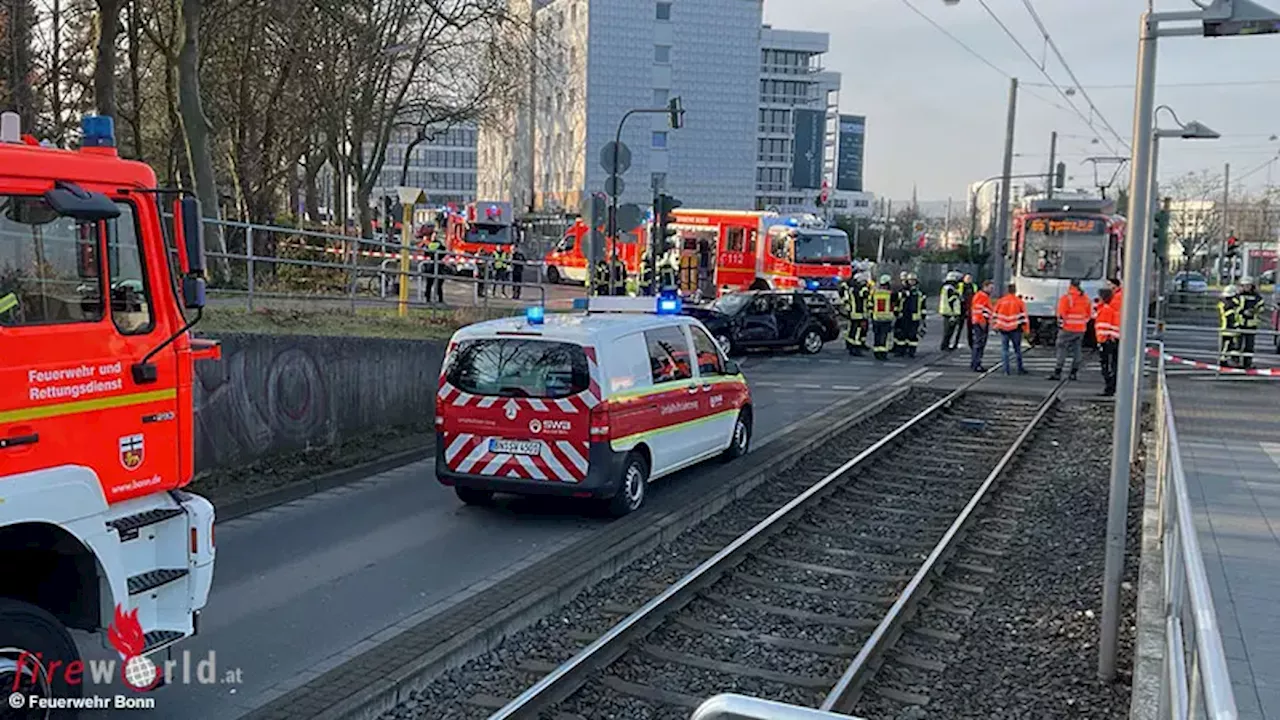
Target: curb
{"points": [[532, 601], [299, 489], [1149, 646]]}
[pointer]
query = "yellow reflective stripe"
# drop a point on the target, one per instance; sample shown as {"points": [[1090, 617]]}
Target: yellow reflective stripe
{"points": [[8, 302], [676, 385], [80, 406], [669, 428]]}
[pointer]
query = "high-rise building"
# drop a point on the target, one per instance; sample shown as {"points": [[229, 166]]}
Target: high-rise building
{"points": [[598, 59]]}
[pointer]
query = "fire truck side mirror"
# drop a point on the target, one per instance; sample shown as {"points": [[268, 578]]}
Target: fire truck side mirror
{"points": [[192, 224]]}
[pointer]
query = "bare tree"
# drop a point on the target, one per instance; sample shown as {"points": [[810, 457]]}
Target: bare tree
{"points": [[104, 71], [196, 125], [1196, 213]]}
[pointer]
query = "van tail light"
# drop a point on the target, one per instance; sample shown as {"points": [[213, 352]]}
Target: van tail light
{"points": [[600, 422]]}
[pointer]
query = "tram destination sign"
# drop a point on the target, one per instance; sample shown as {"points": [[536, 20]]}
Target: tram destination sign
{"points": [[1067, 226]]}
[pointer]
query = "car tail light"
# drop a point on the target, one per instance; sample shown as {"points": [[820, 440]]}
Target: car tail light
{"points": [[600, 422]]}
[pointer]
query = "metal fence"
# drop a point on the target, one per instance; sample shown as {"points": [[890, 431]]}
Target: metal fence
{"points": [[290, 266], [1194, 680]]}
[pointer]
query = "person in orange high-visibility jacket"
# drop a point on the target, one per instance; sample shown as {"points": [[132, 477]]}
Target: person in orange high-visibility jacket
{"points": [[1117, 295], [1106, 330], [1011, 322], [1074, 314], [979, 324]]}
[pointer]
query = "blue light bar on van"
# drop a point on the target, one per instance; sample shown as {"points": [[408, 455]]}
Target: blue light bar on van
{"points": [[98, 131], [812, 284], [793, 222], [669, 303], [535, 314]]}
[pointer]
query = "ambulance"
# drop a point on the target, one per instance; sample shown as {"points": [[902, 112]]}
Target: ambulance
{"points": [[593, 404], [96, 414], [567, 262]]}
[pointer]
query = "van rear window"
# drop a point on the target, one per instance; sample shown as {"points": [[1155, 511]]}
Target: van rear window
{"points": [[519, 368]]}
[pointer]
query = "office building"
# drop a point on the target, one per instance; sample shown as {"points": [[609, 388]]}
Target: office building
{"points": [[602, 58]]}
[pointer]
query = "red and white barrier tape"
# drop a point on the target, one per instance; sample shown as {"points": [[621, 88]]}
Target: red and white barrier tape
{"points": [[1265, 372]]}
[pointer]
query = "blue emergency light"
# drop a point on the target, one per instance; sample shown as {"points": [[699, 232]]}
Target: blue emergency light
{"points": [[669, 303], [535, 314], [835, 279], [793, 222], [812, 284], [98, 131]]}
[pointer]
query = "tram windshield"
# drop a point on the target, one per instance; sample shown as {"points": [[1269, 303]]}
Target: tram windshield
{"points": [[1065, 247]]}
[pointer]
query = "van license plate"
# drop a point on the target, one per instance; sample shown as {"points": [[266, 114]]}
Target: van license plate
{"points": [[515, 447]]}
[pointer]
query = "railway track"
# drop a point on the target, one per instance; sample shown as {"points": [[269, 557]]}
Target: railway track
{"points": [[803, 607]]}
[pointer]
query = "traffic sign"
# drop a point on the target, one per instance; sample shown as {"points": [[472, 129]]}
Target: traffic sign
{"points": [[614, 186], [624, 158]]}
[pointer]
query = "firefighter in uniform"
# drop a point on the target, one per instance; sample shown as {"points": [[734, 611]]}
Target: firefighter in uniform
{"points": [[669, 267], [1230, 323], [883, 317], [619, 276], [950, 307], [1251, 306], [856, 299], [911, 311], [501, 270], [646, 272], [433, 268], [600, 281]]}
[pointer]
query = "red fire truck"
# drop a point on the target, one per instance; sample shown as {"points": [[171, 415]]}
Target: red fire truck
{"points": [[482, 228], [566, 261], [725, 250], [96, 421]]}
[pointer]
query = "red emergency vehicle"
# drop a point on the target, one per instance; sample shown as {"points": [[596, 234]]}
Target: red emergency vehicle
{"points": [[96, 422], [566, 261], [482, 228], [735, 250], [823, 256]]}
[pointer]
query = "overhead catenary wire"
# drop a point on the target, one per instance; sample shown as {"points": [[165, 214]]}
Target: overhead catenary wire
{"points": [[1048, 38], [969, 49], [1039, 66], [1217, 83]]}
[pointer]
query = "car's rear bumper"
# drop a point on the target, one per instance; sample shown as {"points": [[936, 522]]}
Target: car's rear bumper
{"points": [[604, 476]]}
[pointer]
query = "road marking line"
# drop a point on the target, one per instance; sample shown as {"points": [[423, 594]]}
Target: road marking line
{"points": [[909, 377], [768, 384], [809, 386], [849, 388]]}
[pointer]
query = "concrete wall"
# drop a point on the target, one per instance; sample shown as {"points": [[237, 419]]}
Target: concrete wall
{"points": [[277, 393]]}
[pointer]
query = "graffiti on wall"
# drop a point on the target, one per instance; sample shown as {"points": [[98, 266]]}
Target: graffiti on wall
{"points": [[246, 407]]}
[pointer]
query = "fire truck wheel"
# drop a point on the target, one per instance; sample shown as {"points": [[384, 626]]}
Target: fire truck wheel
{"points": [[32, 642], [473, 496], [811, 342], [553, 275], [635, 479], [741, 441]]}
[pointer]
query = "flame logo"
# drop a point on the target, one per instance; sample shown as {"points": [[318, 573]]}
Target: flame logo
{"points": [[125, 633]]}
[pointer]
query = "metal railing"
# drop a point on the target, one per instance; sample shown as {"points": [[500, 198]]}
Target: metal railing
{"points": [[291, 264], [1204, 344], [1194, 681]]}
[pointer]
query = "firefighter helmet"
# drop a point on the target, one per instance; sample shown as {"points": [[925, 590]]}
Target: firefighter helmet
{"points": [[1246, 280], [1230, 291], [885, 279]]}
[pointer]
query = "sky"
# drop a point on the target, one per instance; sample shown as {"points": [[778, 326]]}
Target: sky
{"points": [[936, 114]]}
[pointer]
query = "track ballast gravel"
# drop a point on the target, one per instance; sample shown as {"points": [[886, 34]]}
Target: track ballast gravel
{"points": [[1030, 649], [473, 690]]}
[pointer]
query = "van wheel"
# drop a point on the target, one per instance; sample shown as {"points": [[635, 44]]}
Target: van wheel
{"points": [[635, 480], [27, 633], [473, 496], [741, 441], [553, 275], [811, 342]]}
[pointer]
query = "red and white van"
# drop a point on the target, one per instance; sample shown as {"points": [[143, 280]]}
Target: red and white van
{"points": [[566, 261], [591, 405]]}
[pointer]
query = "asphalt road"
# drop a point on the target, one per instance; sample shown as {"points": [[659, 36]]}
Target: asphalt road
{"points": [[300, 588]]}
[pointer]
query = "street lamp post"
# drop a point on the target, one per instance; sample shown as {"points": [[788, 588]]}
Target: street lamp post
{"points": [[1214, 18]]}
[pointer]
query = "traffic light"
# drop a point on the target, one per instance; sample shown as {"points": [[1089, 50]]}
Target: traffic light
{"points": [[595, 214], [1233, 246], [663, 210], [1160, 224], [675, 109], [1060, 176]]}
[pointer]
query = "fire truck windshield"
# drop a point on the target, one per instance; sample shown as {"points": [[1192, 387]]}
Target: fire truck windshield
{"points": [[489, 234], [1064, 247], [817, 247]]}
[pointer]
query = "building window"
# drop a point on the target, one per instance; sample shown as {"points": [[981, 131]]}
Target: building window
{"points": [[660, 140], [664, 11], [662, 54], [660, 97]]}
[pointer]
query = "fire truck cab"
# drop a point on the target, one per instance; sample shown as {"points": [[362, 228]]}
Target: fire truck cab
{"points": [[727, 250], [482, 228], [96, 414], [567, 261]]}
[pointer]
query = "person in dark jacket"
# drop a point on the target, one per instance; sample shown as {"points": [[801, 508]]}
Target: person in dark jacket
{"points": [[517, 272]]}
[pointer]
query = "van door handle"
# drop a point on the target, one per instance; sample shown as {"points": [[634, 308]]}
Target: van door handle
{"points": [[706, 388], [17, 440], [693, 390]]}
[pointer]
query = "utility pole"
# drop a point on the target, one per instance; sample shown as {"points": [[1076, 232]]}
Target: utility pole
{"points": [[1053, 164], [888, 218], [1006, 190], [532, 178]]}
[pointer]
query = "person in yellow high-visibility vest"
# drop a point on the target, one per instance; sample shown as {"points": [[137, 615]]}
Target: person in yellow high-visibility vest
{"points": [[883, 317], [950, 307]]}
